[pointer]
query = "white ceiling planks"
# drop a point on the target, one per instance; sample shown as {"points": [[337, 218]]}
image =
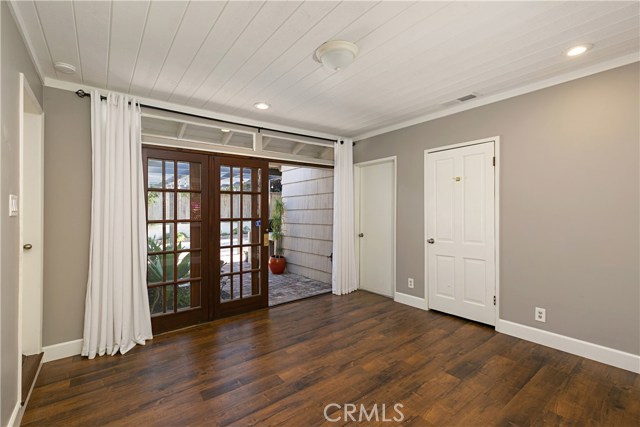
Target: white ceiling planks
{"points": [[231, 23], [128, 23], [93, 40], [274, 48], [159, 33], [61, 44], [339, 18], [270, 19], [414, 56], [198, 22]]}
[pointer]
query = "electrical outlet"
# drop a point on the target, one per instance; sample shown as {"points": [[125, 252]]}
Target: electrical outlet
{"points": [[410, 283], [540, 315]]}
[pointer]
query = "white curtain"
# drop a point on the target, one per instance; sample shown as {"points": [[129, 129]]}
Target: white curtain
{"points": [[344, 255], [117, 306]]}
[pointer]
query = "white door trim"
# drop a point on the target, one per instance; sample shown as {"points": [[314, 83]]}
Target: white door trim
{"points": [[26, 99], [496, 145], [357, 167]]}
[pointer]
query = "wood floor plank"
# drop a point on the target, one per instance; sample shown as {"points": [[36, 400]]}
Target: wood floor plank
{"points": [[284, 365]]}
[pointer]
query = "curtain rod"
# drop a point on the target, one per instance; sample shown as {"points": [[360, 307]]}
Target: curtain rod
{"points": [[82, 94]]}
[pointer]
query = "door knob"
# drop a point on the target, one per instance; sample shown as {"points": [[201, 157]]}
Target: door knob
{"points": [[431, 241], [28, 246], [361, 235]]}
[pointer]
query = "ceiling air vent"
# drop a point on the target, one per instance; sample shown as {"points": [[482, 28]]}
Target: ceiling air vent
{"points": [[461, 99], [467, 97]]}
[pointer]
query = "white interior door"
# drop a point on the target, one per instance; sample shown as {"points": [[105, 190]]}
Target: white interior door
{"points": [[460, 234], [31, 222], [376, 226]]}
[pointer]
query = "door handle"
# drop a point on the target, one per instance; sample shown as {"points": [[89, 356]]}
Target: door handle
{"points": [[361, 235], [431, 241], [28, 246]]}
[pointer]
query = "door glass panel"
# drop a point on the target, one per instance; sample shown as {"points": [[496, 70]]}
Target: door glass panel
{"points": [[184, 176], [235, 233], [184, 236], [155, 300], [169, 175], [236, 288], [154, 238], [189, 206], [155, 268], [169, 268], [225, 288], [225, 206], [169, 298], [154, 174], [247, 182], [154, 205], [235, 179], [236, 206], [225, 178], [184, 296], [254, 257], [249, 234], [170, 206], [195, 178], [225, 233], [169, 236], [184, 265], [246, 205]]}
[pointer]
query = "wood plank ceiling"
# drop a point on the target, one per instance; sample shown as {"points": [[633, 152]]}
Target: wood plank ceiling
{"points": [[414, 56]]}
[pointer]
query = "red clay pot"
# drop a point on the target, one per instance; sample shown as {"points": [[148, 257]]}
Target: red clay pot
{"points": [[277, 263]]}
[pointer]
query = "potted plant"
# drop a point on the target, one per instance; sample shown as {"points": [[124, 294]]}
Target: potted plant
{"points": [[277, 261]]}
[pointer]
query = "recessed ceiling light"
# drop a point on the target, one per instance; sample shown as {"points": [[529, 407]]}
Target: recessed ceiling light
{"points": [[261, 105], [579, 50], [224, 130], [64, 68]]}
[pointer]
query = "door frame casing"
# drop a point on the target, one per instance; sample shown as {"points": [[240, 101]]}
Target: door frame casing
{"points": [[357, 169], [496, 192], [27, 97]]}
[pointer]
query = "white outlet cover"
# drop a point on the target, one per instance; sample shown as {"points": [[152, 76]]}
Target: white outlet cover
{"points": [[540, 315], [13, 205], [410, 283]]}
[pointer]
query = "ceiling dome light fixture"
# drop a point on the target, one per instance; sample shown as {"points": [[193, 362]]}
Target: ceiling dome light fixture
{"points": [[336, 54], [261, 105], [64, 68], [578, 50]]}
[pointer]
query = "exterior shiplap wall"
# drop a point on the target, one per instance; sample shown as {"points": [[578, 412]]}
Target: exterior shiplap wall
{"points": [[307, 194]]}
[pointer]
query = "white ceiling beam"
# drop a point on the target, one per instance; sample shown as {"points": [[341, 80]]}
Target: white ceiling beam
{"points": [[327, 153], [298, 148], [227, 138], [182, 130]]}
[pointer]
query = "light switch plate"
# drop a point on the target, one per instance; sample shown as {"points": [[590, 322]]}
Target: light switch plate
{"points": [[13, 205]]}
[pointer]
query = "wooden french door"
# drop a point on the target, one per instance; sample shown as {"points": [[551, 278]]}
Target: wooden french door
{"points": [[178, 276], [205, 246], [241, 187]]}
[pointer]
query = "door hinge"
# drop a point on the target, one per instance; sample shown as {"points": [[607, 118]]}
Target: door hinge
{"points": [[494, 300], [494, 160]]}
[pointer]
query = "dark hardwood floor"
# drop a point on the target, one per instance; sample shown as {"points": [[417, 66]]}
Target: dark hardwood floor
{"points": [[282, 366]]}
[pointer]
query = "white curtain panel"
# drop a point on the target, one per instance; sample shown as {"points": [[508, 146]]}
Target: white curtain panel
{"points": [[345, 279], [117, 306]]}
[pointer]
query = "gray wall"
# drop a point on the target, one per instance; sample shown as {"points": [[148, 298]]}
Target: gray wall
{"points": [[67, 213], [307, 194], [569, 230], [14, 59]]}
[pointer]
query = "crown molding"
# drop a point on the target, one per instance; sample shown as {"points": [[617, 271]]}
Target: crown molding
{"points": [[562, 78]]}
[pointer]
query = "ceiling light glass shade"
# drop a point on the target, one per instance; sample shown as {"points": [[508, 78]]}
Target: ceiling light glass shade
{"points": [[64, 68], [336, 54], [579, 50], [261, 105]]}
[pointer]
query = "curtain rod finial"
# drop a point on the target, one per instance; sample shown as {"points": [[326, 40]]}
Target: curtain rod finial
{"points": [[81, 93]]}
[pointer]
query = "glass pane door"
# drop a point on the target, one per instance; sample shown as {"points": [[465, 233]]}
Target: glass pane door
{"points": [[241, 220], [177, 211]]}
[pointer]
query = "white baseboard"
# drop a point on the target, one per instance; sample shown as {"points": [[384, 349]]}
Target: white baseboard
{"points": [[16, 415], [62, 350], [406, 299], [609, 356]]}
